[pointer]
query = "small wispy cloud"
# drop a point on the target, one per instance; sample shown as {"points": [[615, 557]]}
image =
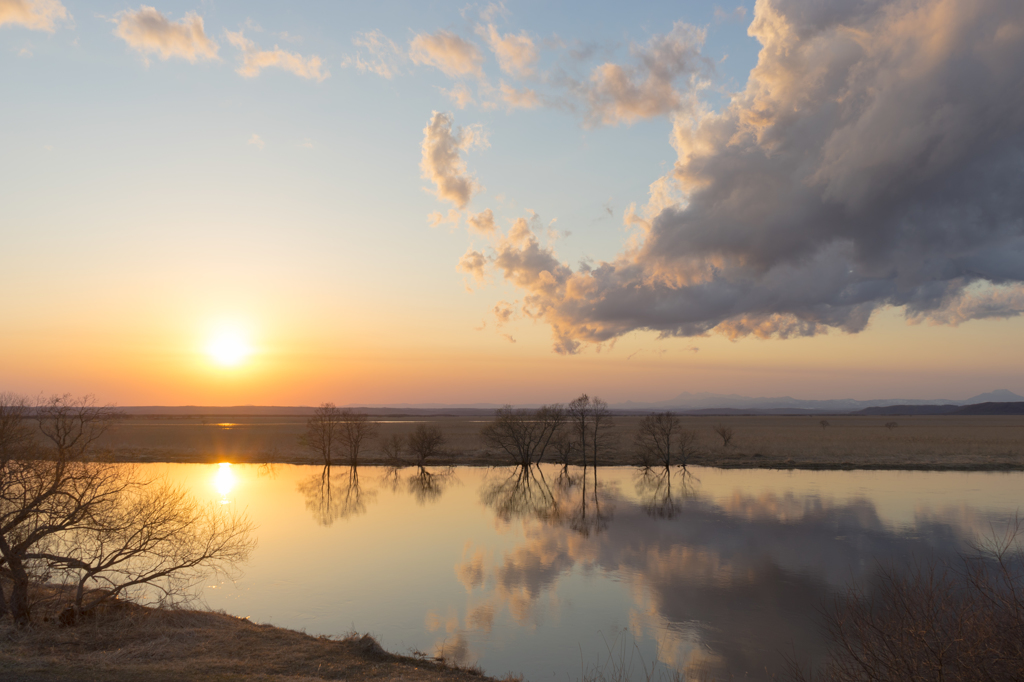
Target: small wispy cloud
{"points": [[147, 31], [256, 141], [255, 59], [448, 52], [377, 54], [737, 15]]}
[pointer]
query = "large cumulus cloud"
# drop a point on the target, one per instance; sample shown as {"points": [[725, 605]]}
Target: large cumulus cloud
{"points": [[875, 158]]}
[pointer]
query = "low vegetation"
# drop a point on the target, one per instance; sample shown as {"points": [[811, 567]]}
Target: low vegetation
{"points": [[125, 643]]}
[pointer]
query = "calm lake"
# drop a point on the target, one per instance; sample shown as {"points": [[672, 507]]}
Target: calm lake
{"points": [[550, 574]]}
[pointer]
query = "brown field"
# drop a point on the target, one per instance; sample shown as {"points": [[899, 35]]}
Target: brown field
{"points": [[160, 645], [933, 442]]}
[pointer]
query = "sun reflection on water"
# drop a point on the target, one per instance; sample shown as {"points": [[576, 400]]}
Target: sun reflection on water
{"points": [[224, 481]]}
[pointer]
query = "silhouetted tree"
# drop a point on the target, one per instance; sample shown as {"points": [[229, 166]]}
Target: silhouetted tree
{"points": [[98, 526], [662, 440], [891, 425], [725, 433], [823, 423], [355, 430], [524, 435], [324, 432], [589, 421], [425, 444]]}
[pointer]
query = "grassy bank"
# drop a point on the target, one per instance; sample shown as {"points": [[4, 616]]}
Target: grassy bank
{"points": [[130, 643], [970, 443]]}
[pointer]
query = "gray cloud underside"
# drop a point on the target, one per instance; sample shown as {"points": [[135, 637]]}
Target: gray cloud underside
{"points": [[875, 158]]}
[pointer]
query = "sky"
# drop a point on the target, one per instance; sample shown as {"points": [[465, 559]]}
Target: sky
{"points": [[228, 203]]}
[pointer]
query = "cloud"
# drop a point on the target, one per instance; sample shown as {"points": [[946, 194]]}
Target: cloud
{"points": [[442, 162], [518, 99], [516, 54], [436, 219], [149, 32], [483, 222], [383, 58], [448, 52], [504, 312], [473, 263], [623, 94], [255, 60], [737, 15], [873, 159], [460, 95], [35, 15], [256, 141]]}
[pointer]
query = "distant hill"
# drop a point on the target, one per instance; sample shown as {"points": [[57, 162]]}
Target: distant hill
{"points": [[989, 408]]}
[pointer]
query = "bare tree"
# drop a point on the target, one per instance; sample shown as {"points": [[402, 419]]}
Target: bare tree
{"points": [[589, 421], [426, 443], [524, 435], [891, 425], [95, 524], [725, 433], [15, 433], [823, 424], [355, 429], [662, 440], [152, 543], [324, 432]]}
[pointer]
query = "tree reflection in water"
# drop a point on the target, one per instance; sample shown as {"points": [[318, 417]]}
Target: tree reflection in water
{"points": [[333, 495], [574, 499], [663, 491], [425, 484]]}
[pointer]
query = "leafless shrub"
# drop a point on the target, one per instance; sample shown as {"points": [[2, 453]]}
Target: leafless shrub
{"points": [[661, 440], [823, 423], [725, 433], [932, 621], [891, 425], [394, 449], [524, 435]]}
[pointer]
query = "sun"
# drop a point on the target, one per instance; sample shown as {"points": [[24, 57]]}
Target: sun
{"points": [[228, 349]]}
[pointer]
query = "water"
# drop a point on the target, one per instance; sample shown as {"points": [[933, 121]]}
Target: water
{"points": [[550, 575]]}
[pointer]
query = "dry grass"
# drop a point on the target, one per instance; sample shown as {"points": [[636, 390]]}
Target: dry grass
{"points": [[935, 442], [131, 643]]}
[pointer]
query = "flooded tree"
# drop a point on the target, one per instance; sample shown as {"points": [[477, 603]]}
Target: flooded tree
{"points": [[323, 432], [425, 445], [589, 421], [356, 429], [524, 436], [662, 440], [98, 527]]}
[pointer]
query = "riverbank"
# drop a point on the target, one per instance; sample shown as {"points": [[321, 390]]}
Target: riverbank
{"points": [[159, 645], [935, 443]]}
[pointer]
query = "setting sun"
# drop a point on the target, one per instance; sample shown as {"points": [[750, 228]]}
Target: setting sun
{"points": [[229, 349]]}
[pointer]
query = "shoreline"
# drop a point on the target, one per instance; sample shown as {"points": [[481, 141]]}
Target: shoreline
{"points": [[130, 642], [754, 462]]}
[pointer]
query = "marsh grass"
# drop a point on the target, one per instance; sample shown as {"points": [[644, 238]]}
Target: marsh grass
{"points": [[924, 442], [125, 643]]}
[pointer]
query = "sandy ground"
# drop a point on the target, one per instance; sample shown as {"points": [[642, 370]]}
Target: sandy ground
{"points": [[945, 442]]}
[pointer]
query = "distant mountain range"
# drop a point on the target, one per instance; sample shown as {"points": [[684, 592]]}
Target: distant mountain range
{"points": [[687, 402], [690, 403]]}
